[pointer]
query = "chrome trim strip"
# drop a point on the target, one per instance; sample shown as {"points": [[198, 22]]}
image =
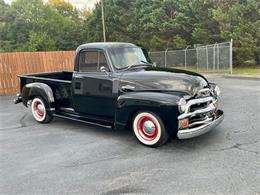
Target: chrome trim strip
{"points": [[208, 119], [197, 131]]}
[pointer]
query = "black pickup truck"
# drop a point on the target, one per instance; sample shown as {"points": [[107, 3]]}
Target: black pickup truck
{"points": [[116, 85]]}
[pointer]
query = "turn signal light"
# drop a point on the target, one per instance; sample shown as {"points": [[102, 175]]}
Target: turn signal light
{"points": [[184, 123]]}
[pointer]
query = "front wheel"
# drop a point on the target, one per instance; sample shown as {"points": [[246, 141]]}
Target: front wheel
{"points": [[38, 108], [149, 129]]}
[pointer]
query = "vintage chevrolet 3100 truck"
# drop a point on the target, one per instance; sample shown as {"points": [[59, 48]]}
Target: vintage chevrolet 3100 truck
{"points": [[116, 85]]}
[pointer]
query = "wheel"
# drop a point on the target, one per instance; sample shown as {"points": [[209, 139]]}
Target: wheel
{"points": [[149, 129], [39, 111]]}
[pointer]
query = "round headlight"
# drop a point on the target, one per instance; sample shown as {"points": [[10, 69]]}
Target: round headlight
{"points": [[217, 90], [182, 105]]}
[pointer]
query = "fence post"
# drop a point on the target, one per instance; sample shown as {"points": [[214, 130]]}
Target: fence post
{"points": [[207, 58], [231, 56], [214, 56], [197, 55], [165, 57], [185, 57], [218, 57]]}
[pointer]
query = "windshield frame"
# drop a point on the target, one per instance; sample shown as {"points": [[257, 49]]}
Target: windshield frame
{"points": [[147, 58]]}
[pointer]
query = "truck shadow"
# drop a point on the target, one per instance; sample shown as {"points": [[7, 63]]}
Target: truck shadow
{"points": [[126, 136]]}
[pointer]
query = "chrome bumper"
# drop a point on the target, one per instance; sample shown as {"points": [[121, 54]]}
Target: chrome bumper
{"points": [[204, 128], [18, 99]]}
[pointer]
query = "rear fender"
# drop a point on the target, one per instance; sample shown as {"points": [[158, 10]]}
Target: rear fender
{"points": [[41, 90]]}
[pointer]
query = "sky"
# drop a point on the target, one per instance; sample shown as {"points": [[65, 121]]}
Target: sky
{"points": [[77, 3]]}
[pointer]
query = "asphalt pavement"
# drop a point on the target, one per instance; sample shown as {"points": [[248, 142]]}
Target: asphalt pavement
{"points": [[65, 157]]}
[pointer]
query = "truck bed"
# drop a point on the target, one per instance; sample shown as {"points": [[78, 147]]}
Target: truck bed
{"points": [[50, 76], [59, 82]]}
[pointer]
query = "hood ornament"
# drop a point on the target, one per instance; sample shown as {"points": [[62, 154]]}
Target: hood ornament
{"points": [[204, 92]]}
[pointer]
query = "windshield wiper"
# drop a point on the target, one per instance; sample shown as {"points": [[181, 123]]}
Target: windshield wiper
{"points": [[146, 62], [139, 64]]}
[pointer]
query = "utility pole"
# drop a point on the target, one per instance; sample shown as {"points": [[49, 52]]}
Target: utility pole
{"points": [[103, 20]]}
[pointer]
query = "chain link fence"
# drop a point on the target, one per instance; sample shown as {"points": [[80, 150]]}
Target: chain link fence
{"points": [[210, 58]]}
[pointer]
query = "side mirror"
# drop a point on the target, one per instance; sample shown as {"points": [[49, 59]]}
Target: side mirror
{"points": [[103, 69]]}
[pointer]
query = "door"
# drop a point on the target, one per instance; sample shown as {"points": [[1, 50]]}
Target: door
{"points": [[94, 91]]}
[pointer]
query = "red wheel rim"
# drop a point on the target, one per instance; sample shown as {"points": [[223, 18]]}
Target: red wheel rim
{"points": [[38, 109], [142, 128]]}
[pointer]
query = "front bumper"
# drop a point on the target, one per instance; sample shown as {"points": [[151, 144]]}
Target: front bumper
{"points": [[197, 131]]}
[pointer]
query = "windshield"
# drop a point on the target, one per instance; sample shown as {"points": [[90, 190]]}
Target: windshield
{"points": [[127, 56]]}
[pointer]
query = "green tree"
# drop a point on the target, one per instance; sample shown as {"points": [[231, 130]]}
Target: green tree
{"points": [[34, 25], [239, 20], [175, 24], [39, 42], [37, 26], [7, 15]]}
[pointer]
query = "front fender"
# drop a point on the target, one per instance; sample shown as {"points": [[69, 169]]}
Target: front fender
{"points": [[41, 90], [163, 104]]}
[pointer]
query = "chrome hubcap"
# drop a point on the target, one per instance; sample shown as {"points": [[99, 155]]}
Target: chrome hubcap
{"points": [[40, 108], [149, 127]]}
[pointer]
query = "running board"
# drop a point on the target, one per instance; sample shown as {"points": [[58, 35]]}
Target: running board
{"points": [[66, 109], [83, 121]]}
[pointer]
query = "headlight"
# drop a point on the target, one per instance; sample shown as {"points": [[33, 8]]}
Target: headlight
{"points": [[182, 105], [217, 90]]}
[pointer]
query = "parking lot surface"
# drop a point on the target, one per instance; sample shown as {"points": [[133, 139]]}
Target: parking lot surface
{"points": [[70, 157]]}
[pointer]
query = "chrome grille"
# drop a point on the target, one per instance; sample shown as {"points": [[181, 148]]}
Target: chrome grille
{"points": [[195, 107], [200, 110], [198, 103]]}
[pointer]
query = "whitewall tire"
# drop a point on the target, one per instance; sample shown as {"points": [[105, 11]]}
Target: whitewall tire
{"points": [[39, 112], [149, 129]]}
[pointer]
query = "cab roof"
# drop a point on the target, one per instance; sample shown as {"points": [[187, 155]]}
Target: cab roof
{"points": [[104, 45]]}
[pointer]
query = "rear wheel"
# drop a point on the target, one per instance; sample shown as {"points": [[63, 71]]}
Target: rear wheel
{"points": [[149, 129], [40, 114]]}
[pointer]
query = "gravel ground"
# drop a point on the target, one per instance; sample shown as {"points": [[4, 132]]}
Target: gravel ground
{"points": [[70, 157]]}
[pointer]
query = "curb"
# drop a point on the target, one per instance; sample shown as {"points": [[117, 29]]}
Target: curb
{"points": [[234, 76], [250, 77]]}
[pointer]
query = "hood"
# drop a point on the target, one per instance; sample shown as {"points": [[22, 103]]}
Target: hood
{"points": [[163, 79]]}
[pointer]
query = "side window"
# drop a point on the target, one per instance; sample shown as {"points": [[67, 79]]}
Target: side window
{"points": [[91, 61]]}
